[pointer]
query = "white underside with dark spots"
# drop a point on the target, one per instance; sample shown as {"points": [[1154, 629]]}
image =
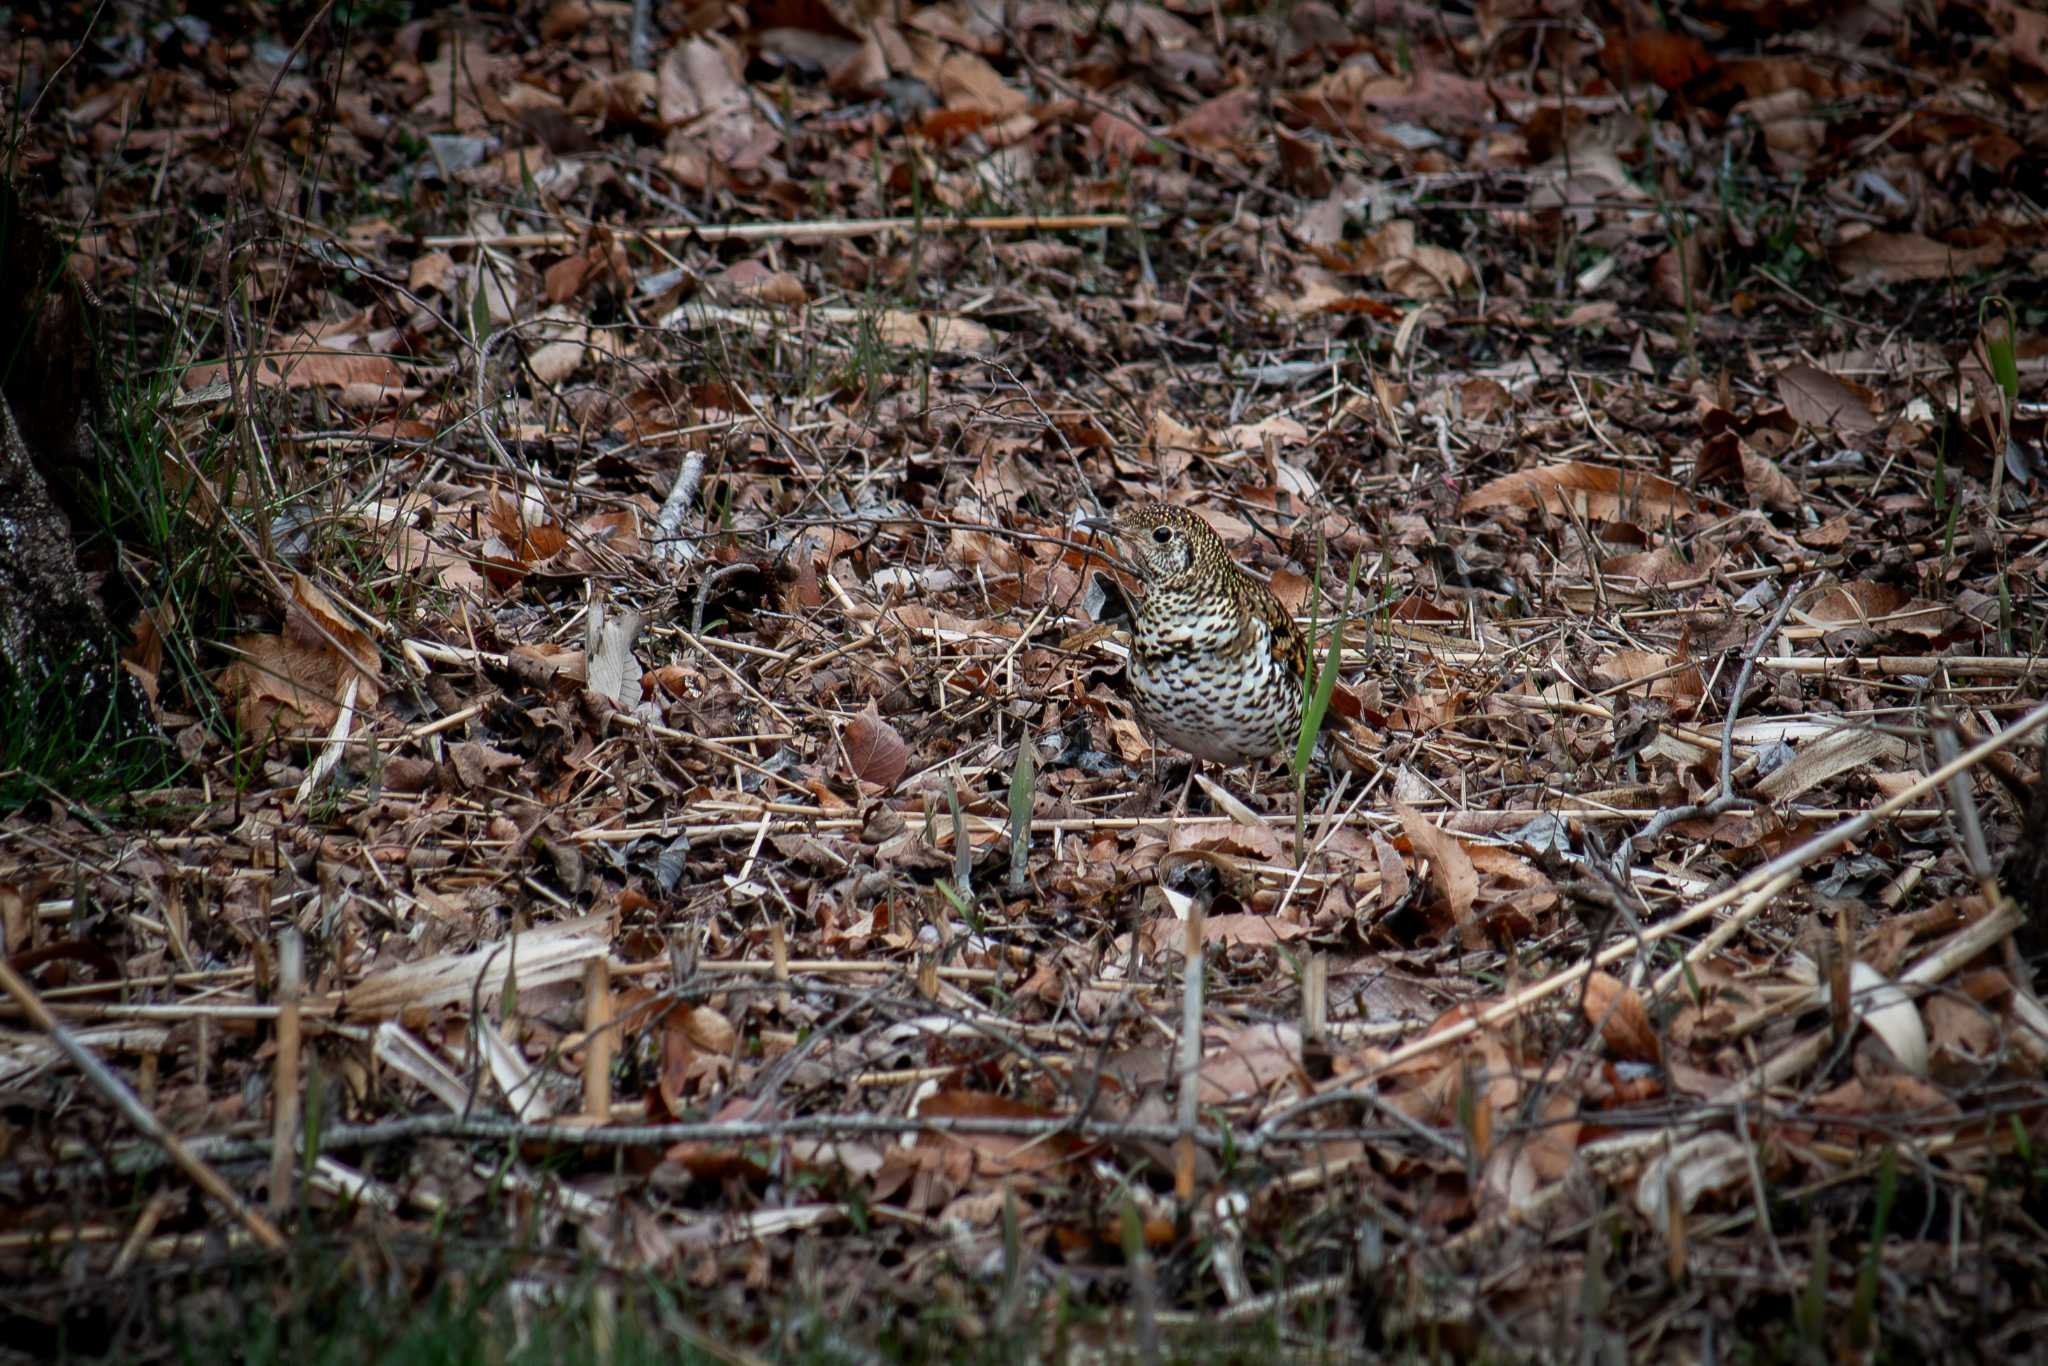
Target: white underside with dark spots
{"points": [[1225, 707]]}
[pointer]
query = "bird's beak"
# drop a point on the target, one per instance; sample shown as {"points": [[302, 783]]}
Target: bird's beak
{"points": [[1102, 524]]}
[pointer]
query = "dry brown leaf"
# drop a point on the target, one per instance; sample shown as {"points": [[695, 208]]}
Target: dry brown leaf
{"points": [[1244, 928], [2024, 28], [526, 530], [1887, 257], [1483, 400], [1426, 272], [538, 957], [1355, 99], [1672, 678], [1858, 603], [1120, 140], [302, 363], [996, 1154], [1242, 1064], [1599, 492], [874, 751], [1660, 56], [1616, 1010], [1218, 124], [966, 82], [700, 91], [1845, 751], [1768, 485], [1675, 1181], [938, 332], [294, 681], [478, 766], [1450, 868], [755, 282], [552, 362], [1818, 399]]}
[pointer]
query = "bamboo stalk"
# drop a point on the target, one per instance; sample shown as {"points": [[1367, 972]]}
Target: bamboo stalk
{"points": [[817, 229], [597, 1039], [1192, 960], [284, 1085], [1070, 825], [1893, 666]]}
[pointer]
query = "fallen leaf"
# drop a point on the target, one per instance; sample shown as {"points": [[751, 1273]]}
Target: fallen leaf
{"points": [[1887, 257], [2024, 27], [1599, 492], [874, 751], [1616, 1010], [1450, 868], [1816, 398]]}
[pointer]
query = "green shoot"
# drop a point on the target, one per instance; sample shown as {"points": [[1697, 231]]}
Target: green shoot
{"points": [[1321, 682], [1023, 778], [1864, 1306], [1998, 350]]}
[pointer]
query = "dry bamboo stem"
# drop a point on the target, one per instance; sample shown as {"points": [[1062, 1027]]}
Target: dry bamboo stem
{"points": [[284, 1085], [813, 230], [1190, 1055], [597, 1039], [1069, 825], [1991, 666]]}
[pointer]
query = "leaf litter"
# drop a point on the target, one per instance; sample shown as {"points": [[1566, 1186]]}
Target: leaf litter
{"points": [[655, 487]]}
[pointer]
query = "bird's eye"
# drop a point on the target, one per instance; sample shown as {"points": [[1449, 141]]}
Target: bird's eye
{"points": [[1162, 535]]}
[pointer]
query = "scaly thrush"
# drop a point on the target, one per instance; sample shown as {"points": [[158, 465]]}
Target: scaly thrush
{"points": [[1217, 664]]}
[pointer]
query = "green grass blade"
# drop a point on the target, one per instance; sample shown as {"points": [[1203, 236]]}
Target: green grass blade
{"points": [[1023, 778], [1324, 681]]}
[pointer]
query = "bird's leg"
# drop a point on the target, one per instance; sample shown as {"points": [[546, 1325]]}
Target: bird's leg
{"points": [[1180, 808]]}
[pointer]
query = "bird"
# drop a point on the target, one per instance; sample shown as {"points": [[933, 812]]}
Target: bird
{"points": [[1218, 667]]}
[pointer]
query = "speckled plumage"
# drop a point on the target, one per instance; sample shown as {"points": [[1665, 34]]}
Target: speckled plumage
{"points": [[1217, 664]]}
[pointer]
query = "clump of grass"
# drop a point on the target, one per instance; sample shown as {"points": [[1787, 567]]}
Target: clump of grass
{"points": [[158, 524]]}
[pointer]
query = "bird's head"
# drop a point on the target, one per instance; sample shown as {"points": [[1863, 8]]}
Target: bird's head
{"points": [[1164, 543]]}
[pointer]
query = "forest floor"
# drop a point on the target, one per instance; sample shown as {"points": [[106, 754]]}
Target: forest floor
{"points": [[641, 844]]}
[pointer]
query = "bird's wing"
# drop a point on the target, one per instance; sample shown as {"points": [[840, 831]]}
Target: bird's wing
{"points": [[1289, 645]]}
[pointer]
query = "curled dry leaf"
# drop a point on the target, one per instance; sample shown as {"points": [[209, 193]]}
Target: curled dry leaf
{"points": [[1697, 1167], [304, 362], [754, 282], [1667, 59], [1851, 748], [1858, 603], [1119, 140], [1221, 123], [1450, 867], [696, 1051], [700, 91], [1670, 677], [874, 751], [1768, 485], [1889, 1011]]}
